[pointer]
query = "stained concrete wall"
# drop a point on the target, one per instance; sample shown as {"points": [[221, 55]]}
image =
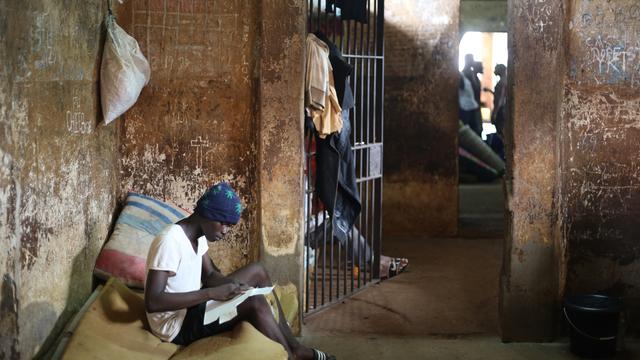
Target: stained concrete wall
{"points": [[483, 15], [280, 155], [421, 117], [224, 103], [196, 122], [533, 263], [210, 98], [601, 166], [572, 187], [58, 176]]}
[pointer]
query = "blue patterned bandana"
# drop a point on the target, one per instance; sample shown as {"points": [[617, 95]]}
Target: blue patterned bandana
{"points": [[220, 203]]}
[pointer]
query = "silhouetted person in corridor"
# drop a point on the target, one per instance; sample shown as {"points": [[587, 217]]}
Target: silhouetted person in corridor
{"points": [[499, 98], [469, 95]]}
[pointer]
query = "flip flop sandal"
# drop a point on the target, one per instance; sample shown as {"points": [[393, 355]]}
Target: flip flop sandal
{"points": [[320, 355], [396, 267]]}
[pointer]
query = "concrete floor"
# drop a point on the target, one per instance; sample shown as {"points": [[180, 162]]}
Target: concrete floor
{"points": [[481, 210], [453, 282], [466, 348], [445, 306]]}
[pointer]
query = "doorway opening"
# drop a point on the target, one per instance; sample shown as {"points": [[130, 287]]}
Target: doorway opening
{"points": [[483, 65]]}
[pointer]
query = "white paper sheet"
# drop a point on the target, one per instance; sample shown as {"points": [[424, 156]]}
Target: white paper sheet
{"points": [[226, 310]]}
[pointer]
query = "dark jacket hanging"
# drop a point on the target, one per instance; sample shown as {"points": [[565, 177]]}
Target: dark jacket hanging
{"points": [[336, 175], [336, 179]]}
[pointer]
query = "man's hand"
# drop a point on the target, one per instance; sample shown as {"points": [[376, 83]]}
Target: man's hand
{"points": [[227, 291]]}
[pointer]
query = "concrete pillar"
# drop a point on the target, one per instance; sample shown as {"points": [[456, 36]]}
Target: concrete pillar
{"points": [[280, 139], [533, 252]]}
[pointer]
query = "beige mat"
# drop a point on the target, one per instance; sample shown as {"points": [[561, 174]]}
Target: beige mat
{"points": [[115, 327]]}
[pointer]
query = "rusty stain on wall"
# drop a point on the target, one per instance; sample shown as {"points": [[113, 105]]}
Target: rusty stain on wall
{"points": [[421, 126], [601, 127]]}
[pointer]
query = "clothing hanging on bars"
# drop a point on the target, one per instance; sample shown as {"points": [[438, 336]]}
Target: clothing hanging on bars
{"points": [[341, 72], [317, 72], [321, 98], [336, 179]]}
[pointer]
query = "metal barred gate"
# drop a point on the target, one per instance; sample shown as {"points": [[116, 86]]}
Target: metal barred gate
{"points": [[333, 270]]}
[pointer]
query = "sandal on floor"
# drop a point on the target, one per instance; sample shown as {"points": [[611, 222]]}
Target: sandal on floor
{"points": [[397, 266], [320, 355]]}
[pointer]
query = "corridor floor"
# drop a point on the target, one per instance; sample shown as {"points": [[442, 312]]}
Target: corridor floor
{"points": [[444, 307]]}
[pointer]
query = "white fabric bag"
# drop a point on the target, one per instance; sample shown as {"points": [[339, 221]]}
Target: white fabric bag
{"points": [[123, 73]]}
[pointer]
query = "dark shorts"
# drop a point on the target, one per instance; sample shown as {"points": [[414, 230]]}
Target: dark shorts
{"points": [[193, 329]]}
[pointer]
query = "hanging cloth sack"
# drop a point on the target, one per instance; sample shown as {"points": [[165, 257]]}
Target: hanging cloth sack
{"points": [[123, 73]]}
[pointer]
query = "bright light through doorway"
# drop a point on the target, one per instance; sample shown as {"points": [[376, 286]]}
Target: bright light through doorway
{"points": [[491, 49]]}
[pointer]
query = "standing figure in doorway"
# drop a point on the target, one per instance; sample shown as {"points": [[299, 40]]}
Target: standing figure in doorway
{"points": [[470, 110], [498, 115]]}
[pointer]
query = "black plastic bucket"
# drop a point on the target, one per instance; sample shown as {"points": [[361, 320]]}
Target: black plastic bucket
{"points": [[593, 322]]}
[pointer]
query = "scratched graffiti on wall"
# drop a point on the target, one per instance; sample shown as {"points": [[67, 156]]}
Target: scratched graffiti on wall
{"points": [[192, 37], [199, 145], [76, 121], [42, 42], [538, 15], [608, 43], [602, 178]]}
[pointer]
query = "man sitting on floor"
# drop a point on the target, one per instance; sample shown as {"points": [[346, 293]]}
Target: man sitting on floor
{"points": [[178, 264]]}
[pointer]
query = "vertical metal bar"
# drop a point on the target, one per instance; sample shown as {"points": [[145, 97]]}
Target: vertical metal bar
{"points": [[372, 228], [309, 15], [336, 24], [369, 121], [375, 27], [362, 126], [380, 46], [346, 271], [340, 23], [324, 255], [331, 269], [347, 49], [375, 69], [315, 264], [307, 217], [369, 22], [318, 15], [325, 30], [338, 274]]}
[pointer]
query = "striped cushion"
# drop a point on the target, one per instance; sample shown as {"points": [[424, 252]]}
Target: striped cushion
{"points": [[125, 254]]}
